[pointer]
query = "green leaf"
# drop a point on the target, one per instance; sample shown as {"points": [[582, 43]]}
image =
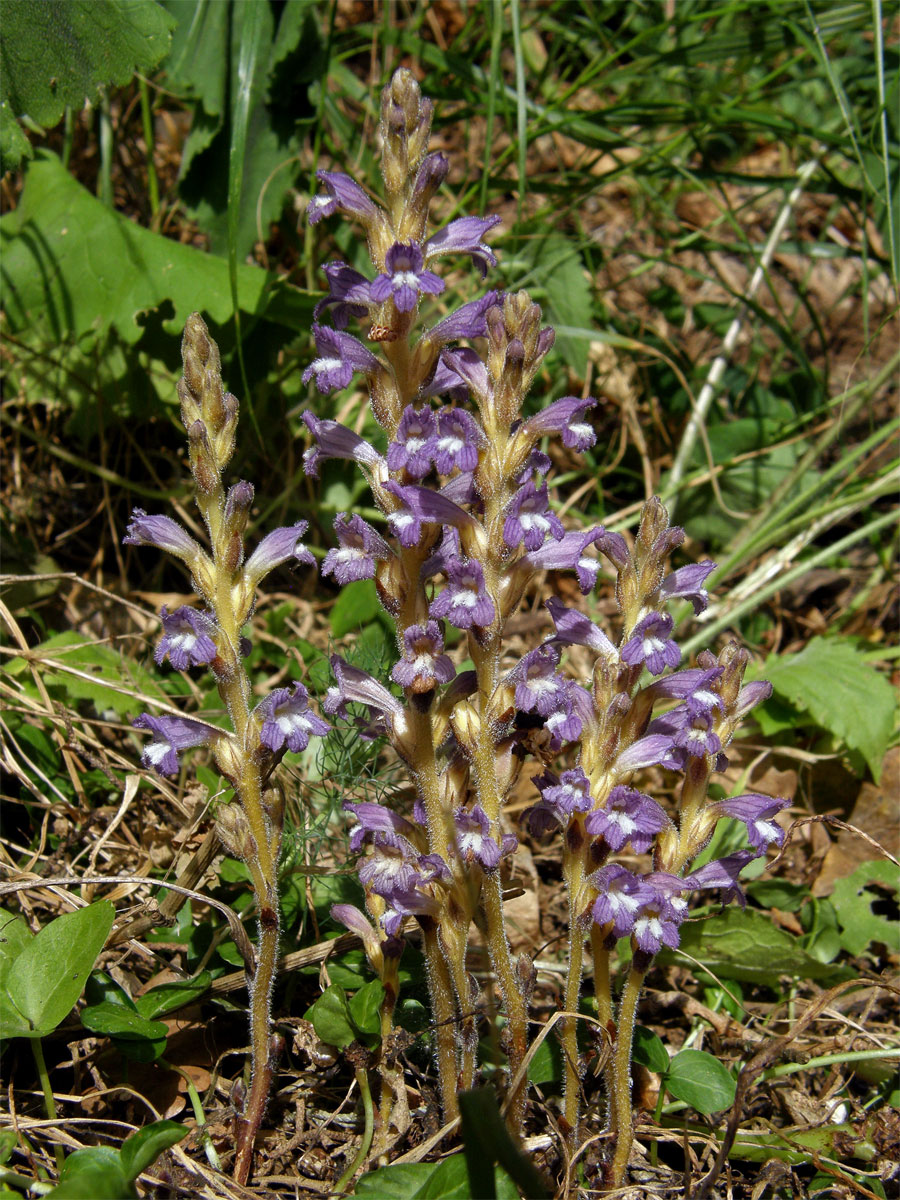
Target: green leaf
{"points": [[103, 989], [119, 1021], [559, 270], [267, 114], [59, 52], [143, 1148], [332, 1019], [115, 682], [701, 1081], [73, 264], [51, 971], [357, 605], [166, 997], [487, 1142], [365, 1007], [831, 679], [745, 944], [649, 1050], [853, 904], [95, 1172], [14, 937], [447, 1180]]}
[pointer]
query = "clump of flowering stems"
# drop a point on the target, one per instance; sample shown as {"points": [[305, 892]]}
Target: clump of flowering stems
{"points": [[469, 526], [247, 754]]}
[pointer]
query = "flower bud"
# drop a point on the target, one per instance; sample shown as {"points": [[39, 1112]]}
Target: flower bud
{"points": [[234, 832], [203, 465], [466, 725]]}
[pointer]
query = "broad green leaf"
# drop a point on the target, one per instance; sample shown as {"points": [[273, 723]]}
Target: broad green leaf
{"points": [[546, 1063], [141, 1150], [795, 1146], [50, 973], [356, 605], [59, 52], [9, 1139], [278, 108], [119, 1021], [831, 679], [95, 1172], [745, 944], [853, 904], [108, 669], [332, 1019], [487, 1143], [166, 997], [103, 989], [365, 1007], [701, 1081], [447, 1180], [559, 270], [79, 268], [14, 937], [649, 1051]]}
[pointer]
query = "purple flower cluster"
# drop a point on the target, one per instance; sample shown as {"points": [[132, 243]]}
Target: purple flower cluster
{"points": [[468, 522]]}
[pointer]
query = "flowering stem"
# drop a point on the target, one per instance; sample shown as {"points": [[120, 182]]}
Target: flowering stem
{"points": [[263, 1059], [620, 1093], [440, 989], [573, 871]]}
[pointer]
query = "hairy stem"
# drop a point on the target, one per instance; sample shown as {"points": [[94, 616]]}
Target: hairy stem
{"points": [[620, 1094]]}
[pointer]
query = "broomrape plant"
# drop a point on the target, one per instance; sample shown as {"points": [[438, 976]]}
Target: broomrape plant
{"points": [[468, 529]]}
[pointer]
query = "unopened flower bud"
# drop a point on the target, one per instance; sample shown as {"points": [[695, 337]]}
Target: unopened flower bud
{"points": [[466, 725], [190, 406], [203, 466], [234, 832], [228, 758]]}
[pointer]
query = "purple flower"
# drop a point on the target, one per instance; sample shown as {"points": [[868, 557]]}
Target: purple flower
{"points": [[287, 720], [407, 902], [391, 867], [694, 682], [749, 696], [275, 548], [404, 278], [563, 416], [723, 873], [561, 796], [424, 665], [379, 825], [657, 925], [340, 354], [187, 638], [353, 685], [687, 584], [348, 294], [470, 369], [458, 440], [464, 236], [473, 840], [466, 322], [421, 506], [650, 644], [359, 546], [627, 816], [529, 519], [432, 173], [538, 686], [574, 629], [565, 724], [334, 440], [445, 382], [464, 602], [656, 749], [568, 553], [414, 445], [171, 734], [621, 895], [342, 193], [162, 532], [756, 812], [694, 731]]}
